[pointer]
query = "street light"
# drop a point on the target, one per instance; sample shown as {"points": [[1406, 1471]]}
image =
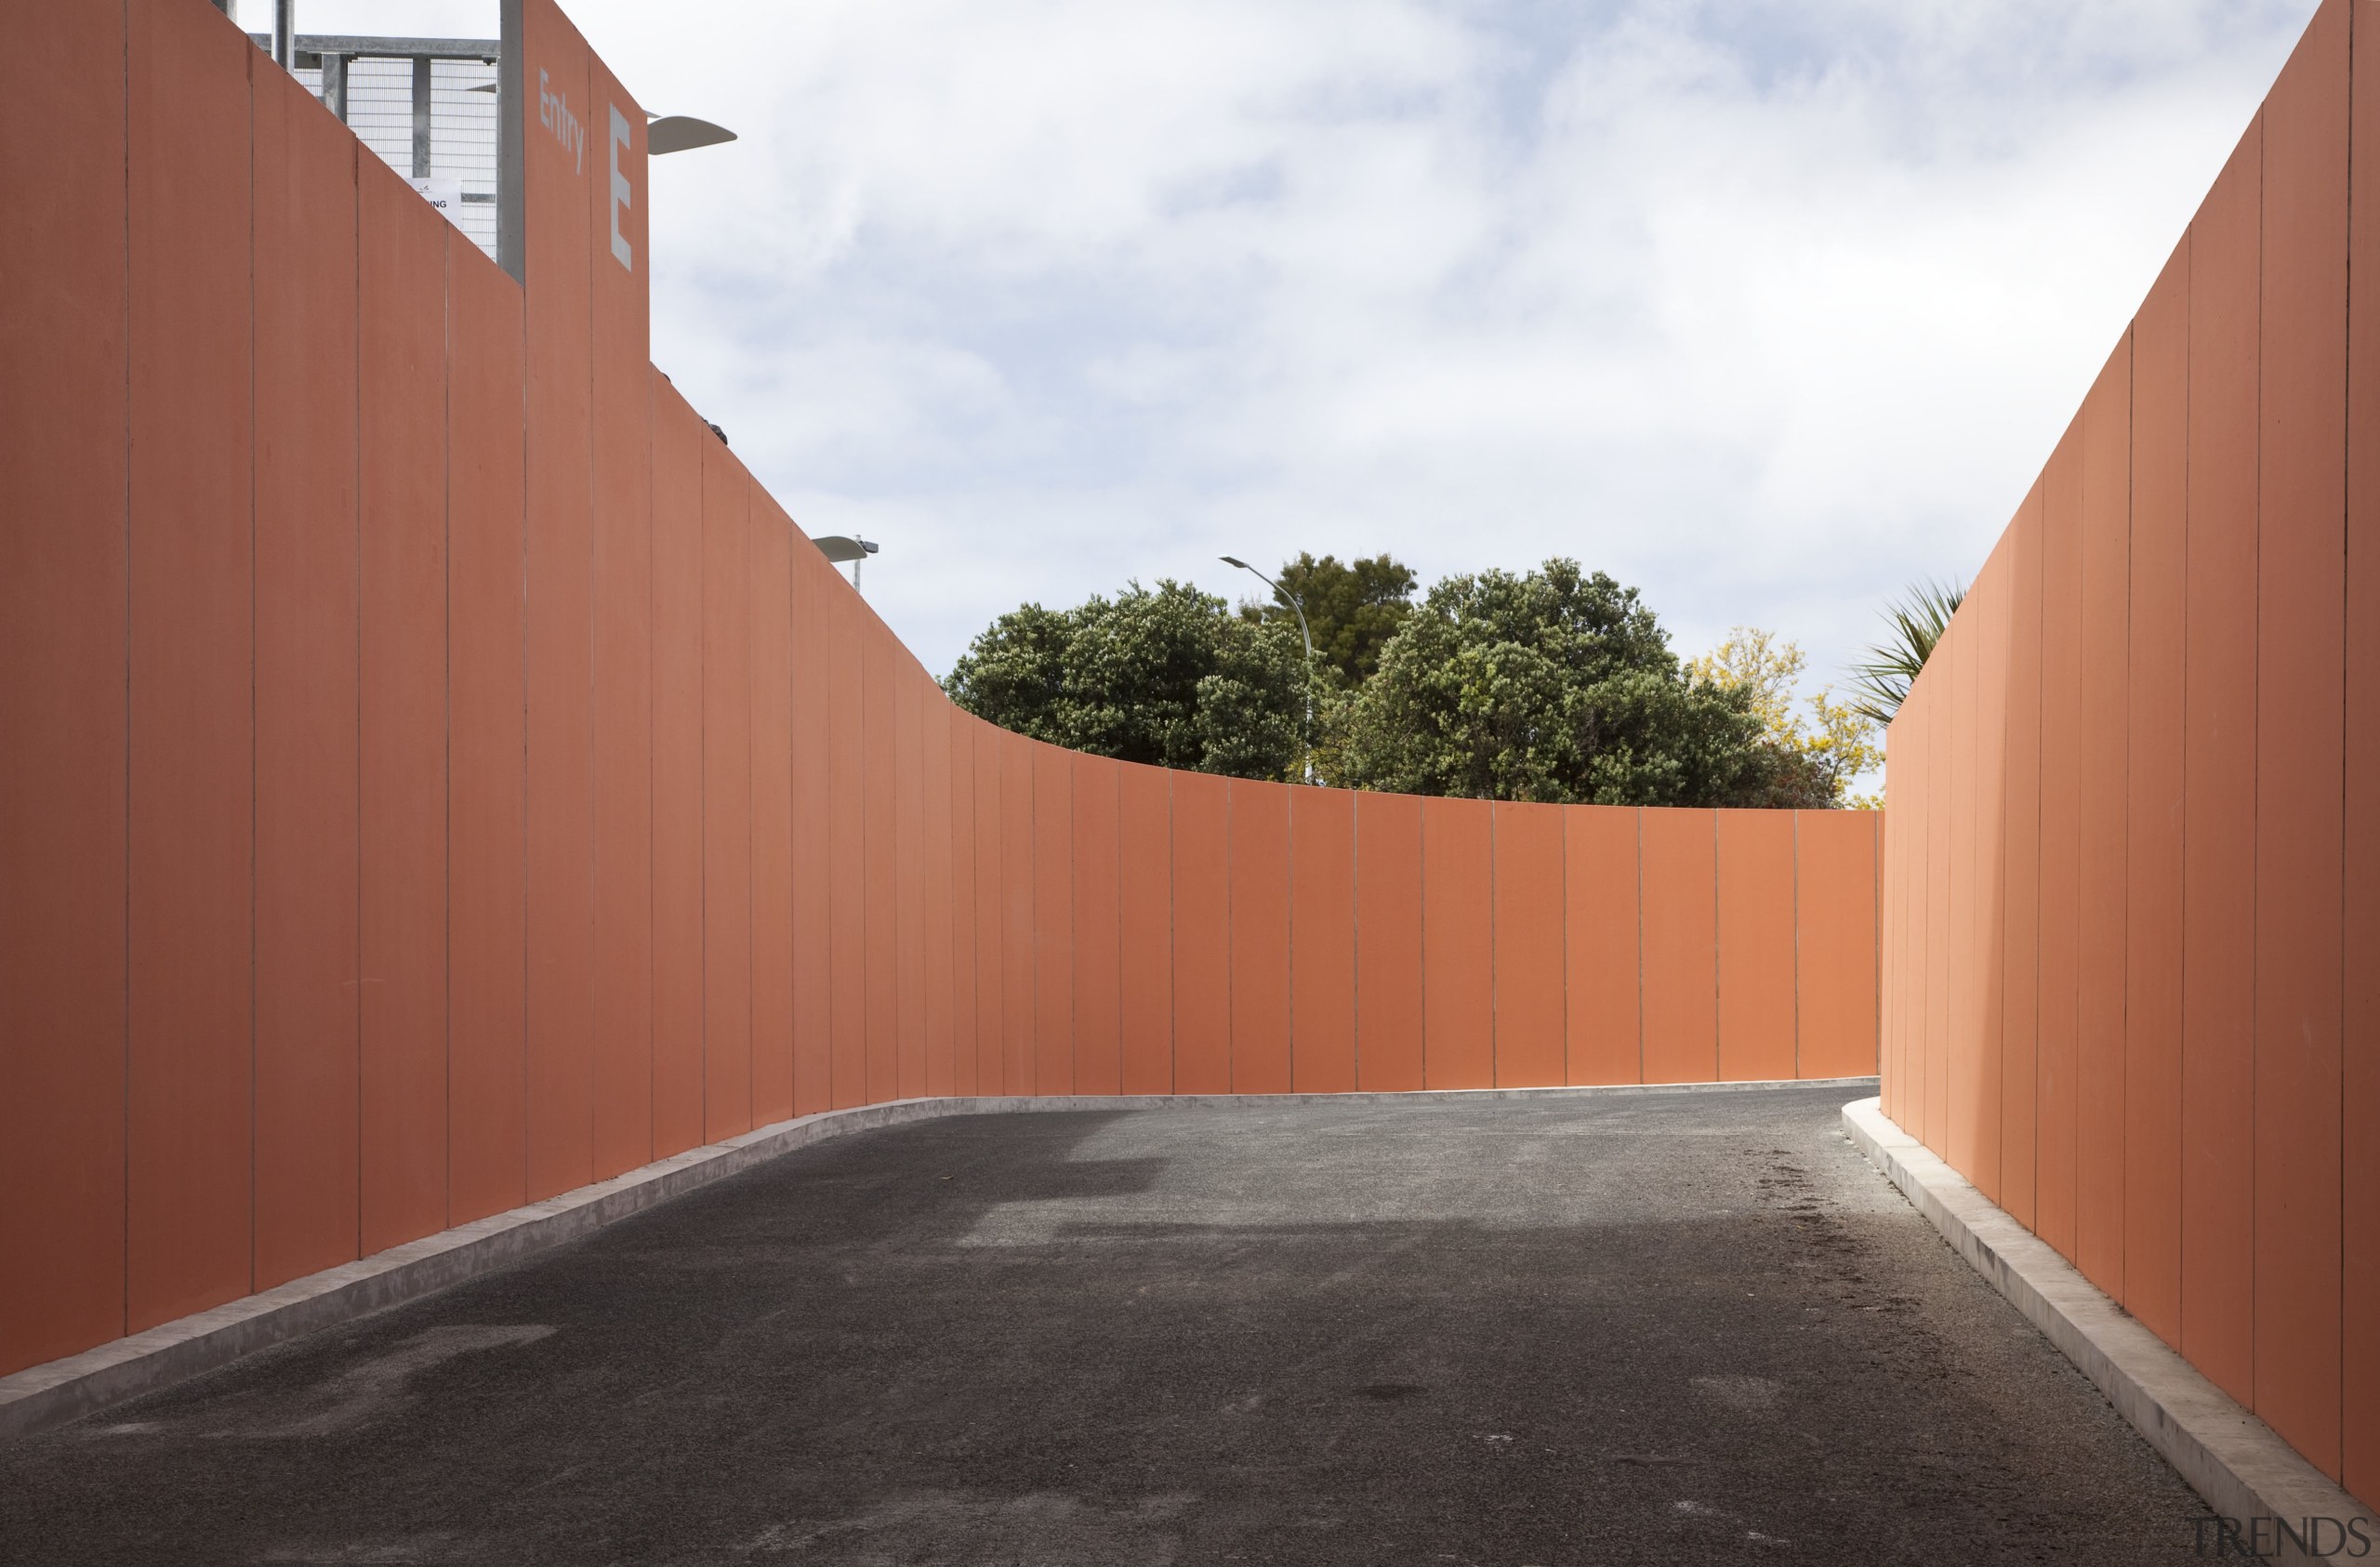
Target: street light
{"points": [[682, 133], [1299, 605], [839, 549]]}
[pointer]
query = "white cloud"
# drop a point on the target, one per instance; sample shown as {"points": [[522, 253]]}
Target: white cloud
{"points": [[1765, 306]]}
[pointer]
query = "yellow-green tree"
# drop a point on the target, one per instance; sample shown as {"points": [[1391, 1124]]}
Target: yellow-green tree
{"points": [[1834, 747]]}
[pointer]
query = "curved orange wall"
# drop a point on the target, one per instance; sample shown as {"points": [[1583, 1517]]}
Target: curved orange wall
{"points": [[2132, 961], [437, 776]]}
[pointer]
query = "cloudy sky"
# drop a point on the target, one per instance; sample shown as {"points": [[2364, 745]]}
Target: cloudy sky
{"points": [[1767, 307]]}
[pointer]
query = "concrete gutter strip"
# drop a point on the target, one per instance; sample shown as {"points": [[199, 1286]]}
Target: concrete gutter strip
{"points": [[56, 1391], [2229, 1456]]}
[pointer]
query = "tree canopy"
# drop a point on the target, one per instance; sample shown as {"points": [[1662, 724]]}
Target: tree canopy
{"points": [[1816, 763], [1167, 675], [1557, 686], [1351, 609]]}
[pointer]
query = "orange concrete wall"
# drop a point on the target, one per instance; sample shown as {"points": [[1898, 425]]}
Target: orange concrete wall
{"points": [[2132, 972], [439, 776]]}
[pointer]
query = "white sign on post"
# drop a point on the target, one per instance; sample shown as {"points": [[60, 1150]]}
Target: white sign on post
{"points": [[446, 195]]}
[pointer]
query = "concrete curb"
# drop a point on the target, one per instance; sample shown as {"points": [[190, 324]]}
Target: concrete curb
{"points": [[51, 1394], [2229, 1456]]}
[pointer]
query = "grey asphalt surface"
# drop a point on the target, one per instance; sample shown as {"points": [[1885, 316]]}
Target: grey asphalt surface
{"points": [[1659, 1328]]}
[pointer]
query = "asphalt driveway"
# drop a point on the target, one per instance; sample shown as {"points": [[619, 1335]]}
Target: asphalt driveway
{"points": [[1679, 1327]]}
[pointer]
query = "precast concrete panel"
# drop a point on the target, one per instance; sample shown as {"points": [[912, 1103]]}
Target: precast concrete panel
{"points": [[2301, 652], [1389, 975], [1019, 1057], [1681, 955], [1528, 867], [1835, 941], [909, 685], [557, 661], [2154, 819], [192, 809], [1919, 913], [933, 735], [619, 223], [1097, 973], [308, 888], [678, 439], [620, 508], [1201, 934], [1920, 907], [1902, 787], [1982, 1076], [991, 919], [1144, 874], [2061, 846], [727, 794], [960, 806], [811, 579], [991, 960], [1892, 928], [1941, 730], [773, 959], [485, 797], [1961, 1114], [2360, 1058], [1906, 870], [1755, 937], [847, 865], [2219, 750], [1603, 967], [1259, 938], [1458, 945], [2103, 740], [402, 727], [1904, 1082], [64, 366], [878, 819], [2020, 872], [1322, 941], [1053, 1001]]}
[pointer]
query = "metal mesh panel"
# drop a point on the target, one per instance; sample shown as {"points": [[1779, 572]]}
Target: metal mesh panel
{"points": [[462, 128], [462, 140], [379, 109]]}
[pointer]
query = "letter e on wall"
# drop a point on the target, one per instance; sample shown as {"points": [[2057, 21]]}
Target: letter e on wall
{"points": [[620, 197]]}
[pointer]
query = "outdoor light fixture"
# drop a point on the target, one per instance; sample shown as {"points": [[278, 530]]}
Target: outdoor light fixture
{"points": [[1294, 603], [838, 548], [682, 133]]}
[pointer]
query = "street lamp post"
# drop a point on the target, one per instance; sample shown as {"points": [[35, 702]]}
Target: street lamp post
{"points": [[838, 549], [1297, 604]]}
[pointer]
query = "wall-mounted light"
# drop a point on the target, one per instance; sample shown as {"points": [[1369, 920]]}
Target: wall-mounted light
{"points": [[682, 133], [664, 133]]}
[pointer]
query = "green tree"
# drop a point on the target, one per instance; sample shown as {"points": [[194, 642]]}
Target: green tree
{"points": [[1353, 609], [1554, 686], [1166, 675]]}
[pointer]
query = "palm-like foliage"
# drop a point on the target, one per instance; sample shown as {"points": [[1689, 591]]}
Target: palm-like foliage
{"points": [[1913, 624]]}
